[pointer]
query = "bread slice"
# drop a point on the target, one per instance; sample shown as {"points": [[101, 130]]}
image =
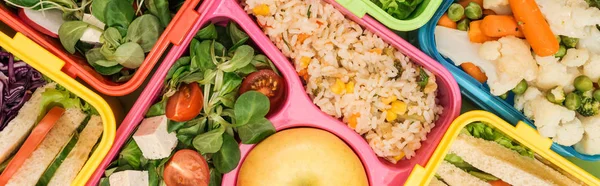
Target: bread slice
{"points": [[68, 170], [19, 128], [435, 182], [455, 176], [33, 168], [506, 164]]}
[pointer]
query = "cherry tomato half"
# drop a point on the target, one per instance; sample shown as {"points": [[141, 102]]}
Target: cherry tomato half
{"points": [[186, 103], [186, 167], [266, 82]]}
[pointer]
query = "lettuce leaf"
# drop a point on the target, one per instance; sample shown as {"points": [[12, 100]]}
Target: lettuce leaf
{"points": [[399, 9], [483, 131]]}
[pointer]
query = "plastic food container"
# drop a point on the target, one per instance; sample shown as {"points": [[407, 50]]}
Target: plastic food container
{"points": [[480, 93], [521, 132], [77, 67], [298, 110], [50, 65], [418, 18]]}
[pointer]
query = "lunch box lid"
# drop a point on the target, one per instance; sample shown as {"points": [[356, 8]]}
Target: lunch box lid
{"points": [[418, 18], [50, 65], [77, 66], [521, 132], [479, 93]]}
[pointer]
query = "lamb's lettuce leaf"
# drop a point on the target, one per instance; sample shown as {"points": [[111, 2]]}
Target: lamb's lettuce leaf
{"points": [[483, 131]]}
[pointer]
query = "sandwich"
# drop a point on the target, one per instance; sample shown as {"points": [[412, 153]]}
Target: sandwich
{"points": [[481, 156], [63, 149]]}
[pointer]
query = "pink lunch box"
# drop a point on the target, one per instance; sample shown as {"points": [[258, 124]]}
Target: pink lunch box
{"points": [[298, 110]]}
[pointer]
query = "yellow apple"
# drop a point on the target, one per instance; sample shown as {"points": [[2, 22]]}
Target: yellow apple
{"points": [[299, 157]]}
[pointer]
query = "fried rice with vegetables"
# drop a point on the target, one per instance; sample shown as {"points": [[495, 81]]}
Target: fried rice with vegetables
{"points": [[352, 74]]}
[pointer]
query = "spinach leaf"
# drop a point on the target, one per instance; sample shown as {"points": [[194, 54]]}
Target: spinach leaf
{"points": [[112, 37], [108, 51], [255, 131], [106, 63], [107, 71], [193, 77], [248, 69], [132, 154], [153, 177], [94, 55], [193, 127], [70, 32], [261, 61], [229, 156], [238, 37], [242, 57], [119, 14], [98, 8], [144, 31], [208, 32], [183, 61], [160, 9], [130, 55], [215, 177], [200, 52], [156, 109], [104, 182], [185, 140], [173, 126], [223, 36], [231, 82], [209, 142], [399, 9], [250, 106], [228, 100]]}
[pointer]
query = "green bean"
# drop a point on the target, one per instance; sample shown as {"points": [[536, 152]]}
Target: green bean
{"points": [[569, 42], [520, 88], [583, 83], [573, 101], [473, 11], [455, 12], [463, 25], [562, 51]]}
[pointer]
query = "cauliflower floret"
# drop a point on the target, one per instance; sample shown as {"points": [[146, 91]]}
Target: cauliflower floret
{"points": [[591, 41], [569, 17], [548, 117], [500, 7], [552, 75], [591, 125], [530, 94], [514, 64], [592, 68], [575, 57], [588, 145], [546, 60], [569, 133]]}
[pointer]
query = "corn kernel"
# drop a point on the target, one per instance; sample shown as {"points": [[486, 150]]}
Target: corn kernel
{"points": [[399, 107], [350, 87], [376, 51], [353, 120], [388, 100], [390, 116], [397, 158], [304, 61], [261, 9], [338, 87]]}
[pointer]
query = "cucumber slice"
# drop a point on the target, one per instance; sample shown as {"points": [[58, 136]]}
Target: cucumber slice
{"points": [[49, 173]]}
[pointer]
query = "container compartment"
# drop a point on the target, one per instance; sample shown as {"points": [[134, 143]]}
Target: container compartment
{"points": [[76, 66]]}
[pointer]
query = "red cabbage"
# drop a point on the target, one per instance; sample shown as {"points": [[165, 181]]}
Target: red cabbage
{"points": [[17, 82]]}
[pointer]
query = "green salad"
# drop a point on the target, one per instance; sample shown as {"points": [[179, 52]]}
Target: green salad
{"points": [[399, 9]]}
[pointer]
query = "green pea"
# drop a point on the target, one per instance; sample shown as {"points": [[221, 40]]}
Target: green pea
{"points": [[463, 25], [596, 95], [562, 51], [504, 96], [455, 12], [583, 83], [473, 11], [520, 88], [573, 101], [551, 98], [569, 42]]}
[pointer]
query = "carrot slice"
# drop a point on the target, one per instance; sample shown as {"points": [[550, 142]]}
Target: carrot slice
{"points": [[475, 33], [446, 22], [38, 134], [474, 71], [534, 27], [500, 26]]}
